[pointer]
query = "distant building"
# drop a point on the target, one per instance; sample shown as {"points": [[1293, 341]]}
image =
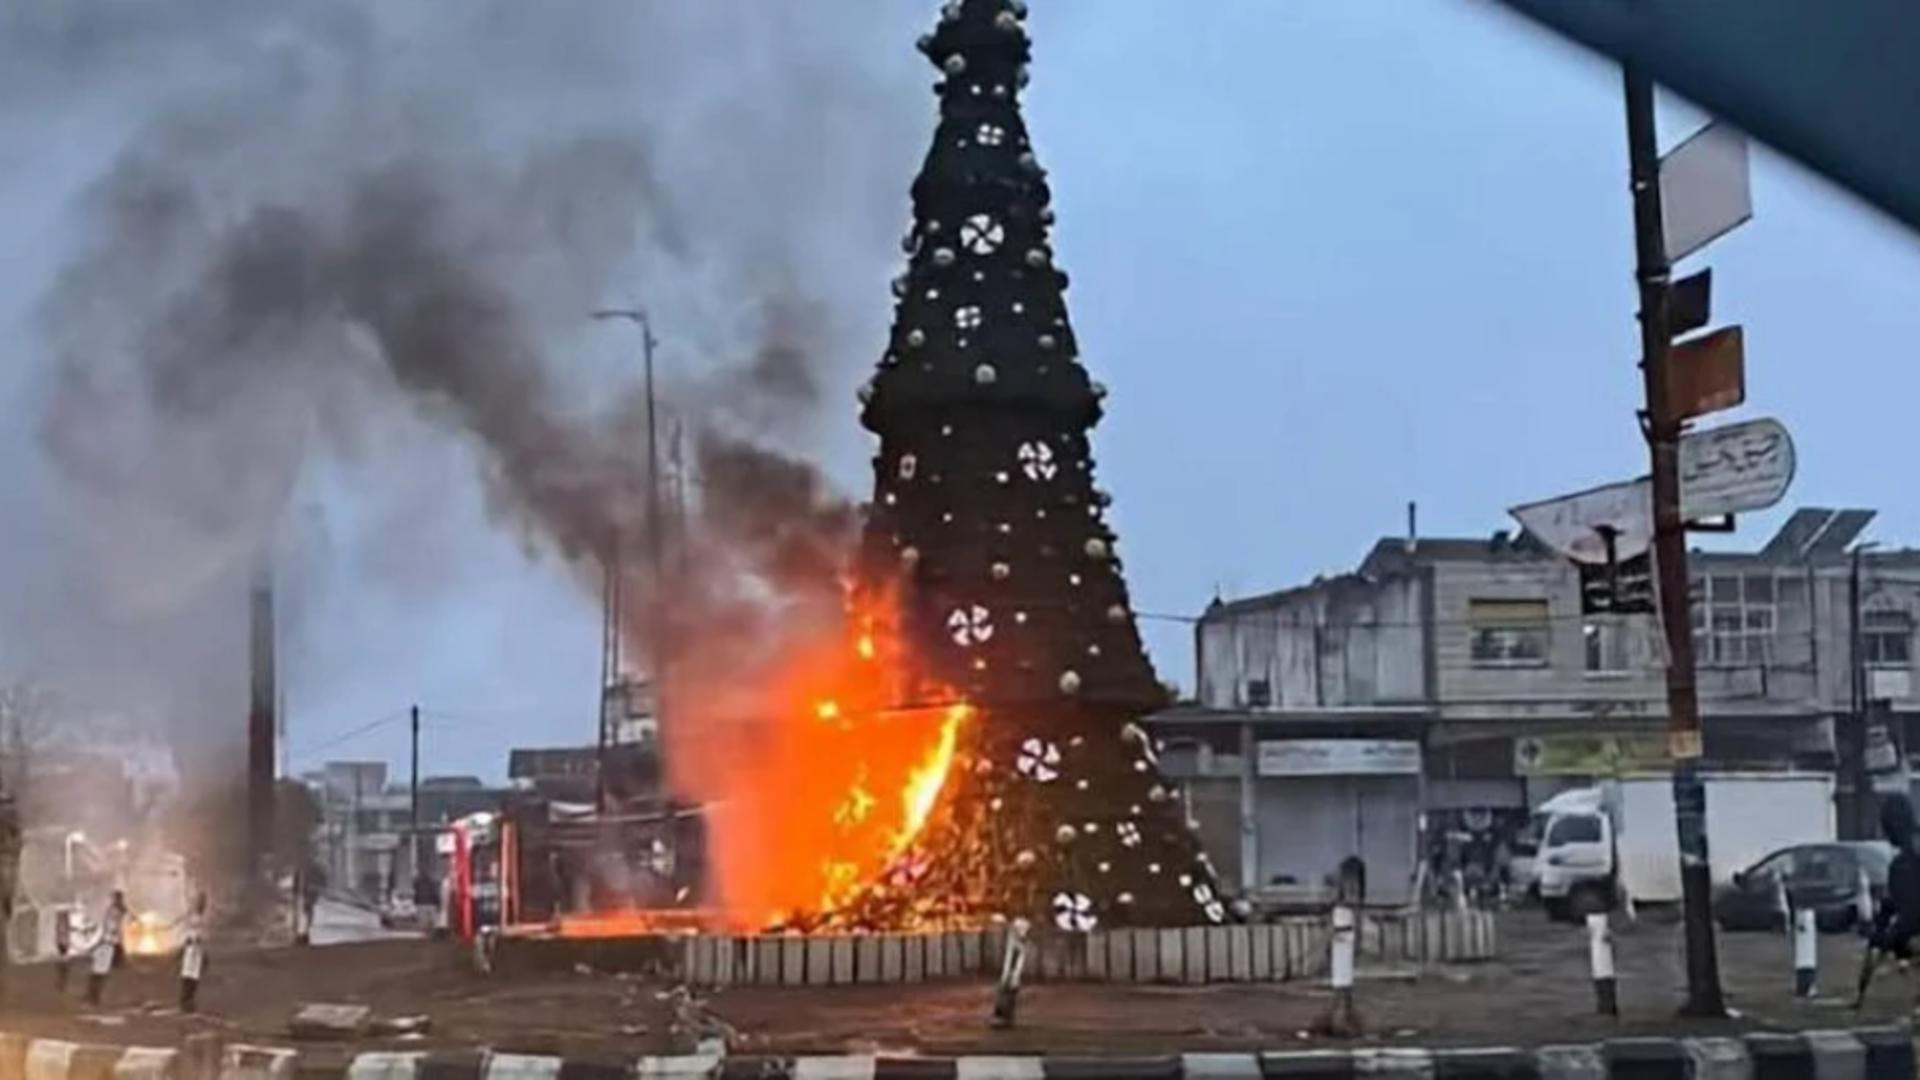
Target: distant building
{"points": [[366, 820], [571, 774], [1460, 678]]}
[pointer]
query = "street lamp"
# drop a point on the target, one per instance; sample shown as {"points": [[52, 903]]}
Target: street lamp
{"points": [[638, 317]]}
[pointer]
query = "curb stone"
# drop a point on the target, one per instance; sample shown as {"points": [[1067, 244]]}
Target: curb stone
{"points": [[1882, 1053]]}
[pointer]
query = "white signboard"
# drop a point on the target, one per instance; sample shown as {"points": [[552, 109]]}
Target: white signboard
{"points": [[1734, 469], [1339, 757], [1704, 189], [1573, 524]]}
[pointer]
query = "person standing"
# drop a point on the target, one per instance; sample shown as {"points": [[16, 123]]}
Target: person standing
{"points": [[62, 947], [10, 841], [108, 946], [1898, 921], [193, 953]]}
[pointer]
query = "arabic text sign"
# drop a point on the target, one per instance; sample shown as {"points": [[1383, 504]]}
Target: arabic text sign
{"points": [[1734, 469], [1339, 757], [1572, 524], [1588, 755]]}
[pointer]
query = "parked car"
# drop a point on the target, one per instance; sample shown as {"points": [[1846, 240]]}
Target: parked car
{"points": [[1825, 877]]}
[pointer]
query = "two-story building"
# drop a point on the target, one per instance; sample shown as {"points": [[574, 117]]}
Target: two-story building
{"points": [[1453, 678]]}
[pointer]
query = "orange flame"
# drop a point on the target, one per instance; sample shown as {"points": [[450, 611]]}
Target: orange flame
{"points": [[816, 776]]}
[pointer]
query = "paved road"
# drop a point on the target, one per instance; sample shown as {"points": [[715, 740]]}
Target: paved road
{"points": [[336, 923]]}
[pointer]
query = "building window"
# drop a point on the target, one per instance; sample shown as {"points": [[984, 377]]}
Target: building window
{"points": [[1733, 619], [1509, 633], [1259, 693], [1606, 647], [1886, 638]]}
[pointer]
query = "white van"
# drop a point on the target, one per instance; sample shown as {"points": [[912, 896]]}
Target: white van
{"points": [[1620, 838]]}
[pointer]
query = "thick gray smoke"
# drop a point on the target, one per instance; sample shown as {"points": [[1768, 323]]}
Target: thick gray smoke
{"points": [[288, 233]]}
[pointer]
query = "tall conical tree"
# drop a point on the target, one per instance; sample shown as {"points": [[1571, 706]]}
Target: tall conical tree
{"points": [[987, 529]]}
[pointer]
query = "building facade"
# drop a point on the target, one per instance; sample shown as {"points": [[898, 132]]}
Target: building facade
{"points": [[1447, 678], [366, 823]]}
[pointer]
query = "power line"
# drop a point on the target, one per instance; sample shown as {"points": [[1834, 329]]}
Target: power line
{"points": [[353, 733]]}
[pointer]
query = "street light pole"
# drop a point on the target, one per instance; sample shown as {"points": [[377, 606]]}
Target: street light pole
{"points": [[1862, 824], [1662, 426], [656, 550]]}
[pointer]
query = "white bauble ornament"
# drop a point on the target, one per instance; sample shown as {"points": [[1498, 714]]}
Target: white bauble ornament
{"points": [[909, 556], [1065, 834], [955, 64], [1095, 548], [985, 375], [1117, 613], [1069, 682], [943, 256], [1000, 571], [1025, 859], [916, 338]]}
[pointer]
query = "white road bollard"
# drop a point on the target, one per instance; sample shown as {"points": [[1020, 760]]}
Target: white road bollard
{"points": [[1606, 994], [1342, 1020], [1806, 953], [1006, 996], [1863, 901]]}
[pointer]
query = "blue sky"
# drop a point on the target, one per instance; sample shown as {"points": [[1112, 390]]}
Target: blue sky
{"points": [[1329, 257]]}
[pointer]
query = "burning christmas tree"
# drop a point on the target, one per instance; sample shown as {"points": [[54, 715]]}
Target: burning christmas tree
{"points": [[988, 539]]}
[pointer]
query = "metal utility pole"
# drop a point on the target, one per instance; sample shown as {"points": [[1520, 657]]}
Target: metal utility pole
{"points": [[1859, 777], [261, 757], [413, 804], [656, 548], [1662, 425]]}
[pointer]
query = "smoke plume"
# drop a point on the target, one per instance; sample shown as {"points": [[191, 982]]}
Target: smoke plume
{"points": [[295, 233]]}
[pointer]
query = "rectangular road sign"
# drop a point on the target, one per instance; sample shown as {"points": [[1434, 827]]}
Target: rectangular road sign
{"points": [[1690, 303], [1706, 374]]}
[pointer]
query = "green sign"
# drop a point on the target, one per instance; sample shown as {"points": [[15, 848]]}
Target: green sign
{"points": [[1589, 755]]}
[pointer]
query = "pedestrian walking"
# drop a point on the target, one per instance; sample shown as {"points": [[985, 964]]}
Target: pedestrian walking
{"points": [[109, 946], [193, 953], [1898, 920]]}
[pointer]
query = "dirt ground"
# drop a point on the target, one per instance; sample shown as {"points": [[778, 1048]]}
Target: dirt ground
{"points": [[1538, 992]]}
